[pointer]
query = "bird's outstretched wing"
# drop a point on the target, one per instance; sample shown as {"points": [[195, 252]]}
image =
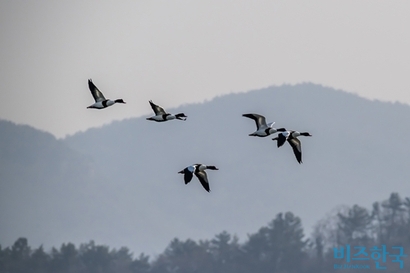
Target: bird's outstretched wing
{"points": [[260, 121], [158, 110], [98, 96], [188, 173], [297, 148], [202, 177], [187, 177], [281, 138]]}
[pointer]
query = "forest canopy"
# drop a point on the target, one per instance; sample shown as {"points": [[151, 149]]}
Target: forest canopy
{"points": [[350, 237]]}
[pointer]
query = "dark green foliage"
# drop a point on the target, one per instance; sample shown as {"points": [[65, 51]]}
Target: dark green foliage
{"points": [[180, 256], [227, 253], [354, 226], [279, 247], [141, 264], [39, 261]]}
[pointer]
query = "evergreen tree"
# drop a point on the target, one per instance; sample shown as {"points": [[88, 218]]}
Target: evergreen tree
{"points": [[278, 247], [95, 258], [183, 257], [394, 218], [355, 226], [122, 260], [226, 253], [65, 260], [39, 261], [141, 264], [19, 256]]}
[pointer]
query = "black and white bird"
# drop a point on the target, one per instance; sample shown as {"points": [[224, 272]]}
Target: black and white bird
{"points": [[199, 171], [292, 138], [161, 115], [100, 101], [262, 129]]}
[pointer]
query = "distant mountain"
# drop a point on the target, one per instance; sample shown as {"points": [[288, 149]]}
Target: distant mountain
{"points": [[44, 184], [121, 185]]}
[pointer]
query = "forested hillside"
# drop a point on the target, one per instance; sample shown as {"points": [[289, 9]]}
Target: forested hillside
{"points": [[278, 247]]}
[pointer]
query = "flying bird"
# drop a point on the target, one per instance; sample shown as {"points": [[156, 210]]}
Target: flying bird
{"points": [[100, 101], [292, 138], [262, 129], [161, 115], [199, 171]]}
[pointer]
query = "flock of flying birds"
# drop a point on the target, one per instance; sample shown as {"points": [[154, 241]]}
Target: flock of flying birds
{"points": [[262, 130]]}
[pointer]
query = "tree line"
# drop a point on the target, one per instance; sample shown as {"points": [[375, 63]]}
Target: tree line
{"points": [[350, 237]]}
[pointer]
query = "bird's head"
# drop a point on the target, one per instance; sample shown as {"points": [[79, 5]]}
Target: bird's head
{"points": [[181, 116]]}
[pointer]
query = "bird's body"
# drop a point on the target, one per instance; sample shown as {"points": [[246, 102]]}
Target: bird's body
{"points": [[161, 115], [292, 138], [100, 101], [199, 171], [262, 129]]}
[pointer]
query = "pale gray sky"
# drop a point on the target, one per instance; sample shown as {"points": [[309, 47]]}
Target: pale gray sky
{"points": [[177, 52]]}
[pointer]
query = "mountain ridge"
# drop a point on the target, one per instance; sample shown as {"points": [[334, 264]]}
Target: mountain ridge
{"points": [[136, 197]]}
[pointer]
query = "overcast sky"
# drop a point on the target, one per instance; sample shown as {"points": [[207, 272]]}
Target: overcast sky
{"points": [[177, 52]]}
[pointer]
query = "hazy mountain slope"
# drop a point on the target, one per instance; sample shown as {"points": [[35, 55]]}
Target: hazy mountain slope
{"points": [[120, 184], [357, 154], [43, 186]]}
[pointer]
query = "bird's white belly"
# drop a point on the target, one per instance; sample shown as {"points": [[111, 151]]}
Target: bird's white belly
{"points": [[158, 118], [261, 132], [100, 104]]}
